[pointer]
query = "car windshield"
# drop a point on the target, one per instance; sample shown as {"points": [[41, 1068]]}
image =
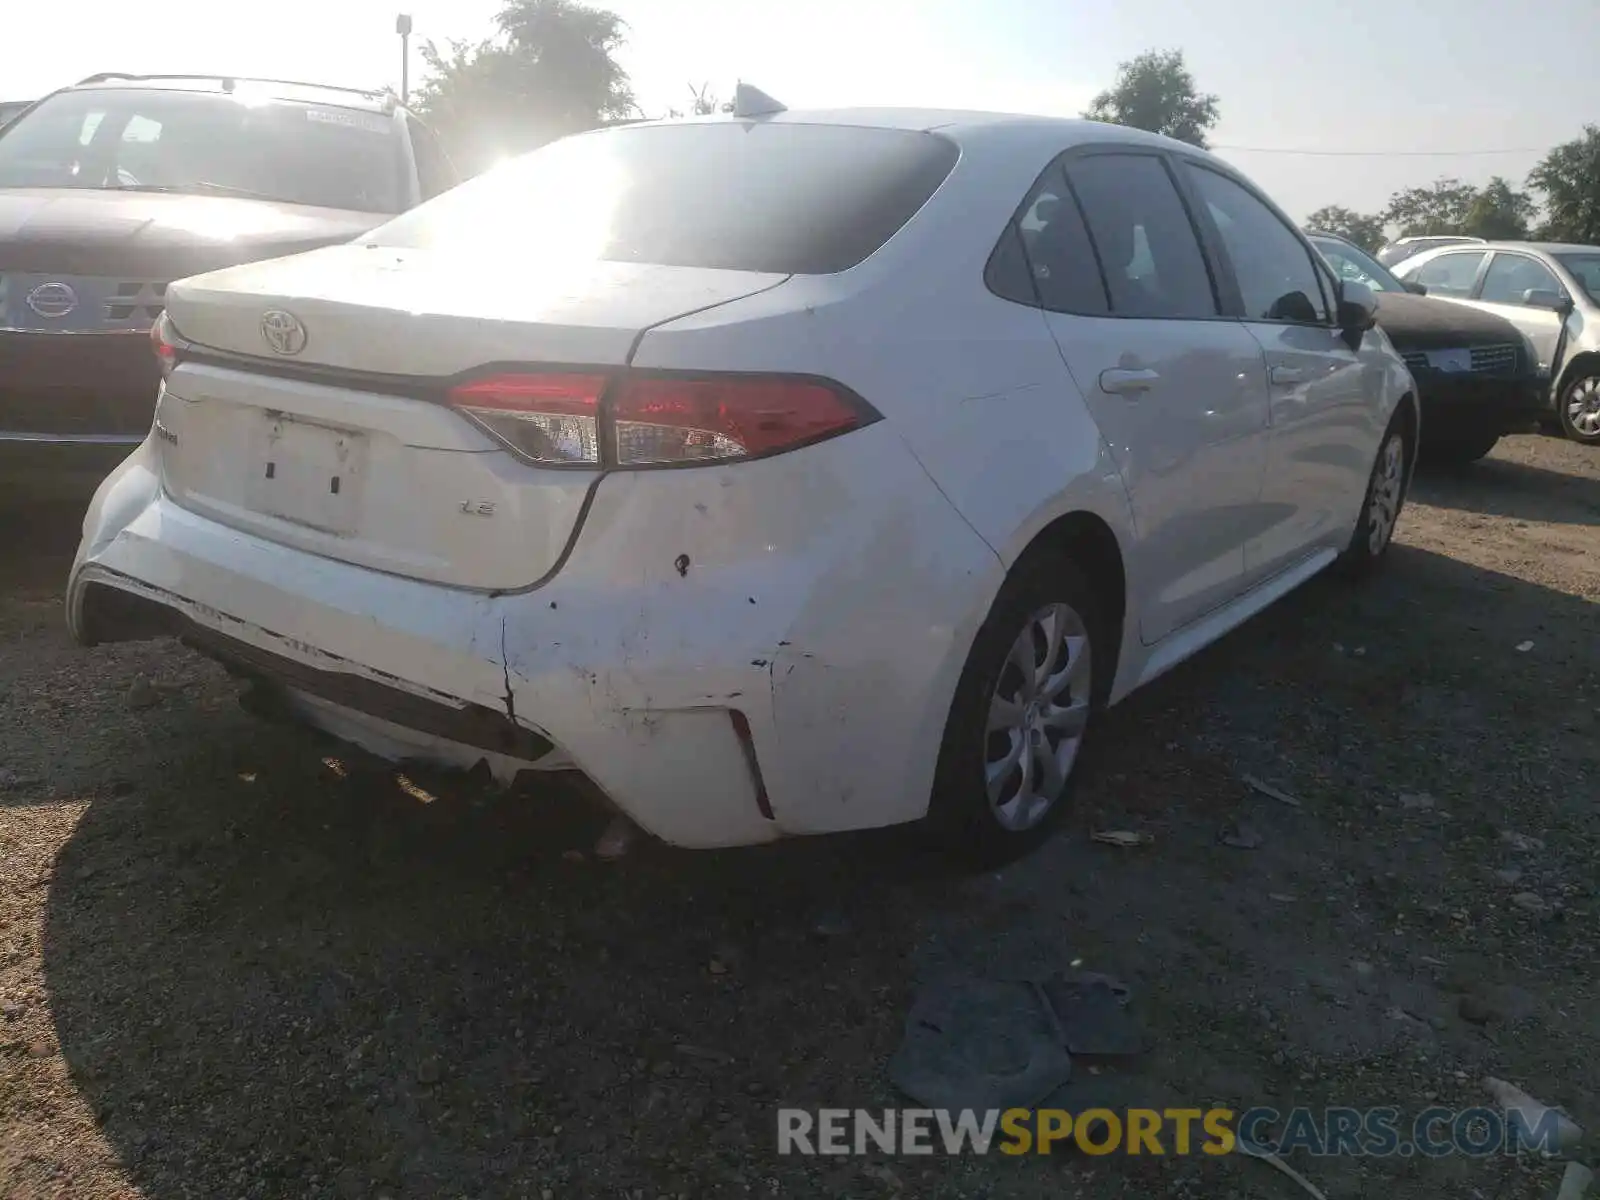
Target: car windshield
{"points": [[1585, 268], [1356, 265], [745, 196], [235, 144]]}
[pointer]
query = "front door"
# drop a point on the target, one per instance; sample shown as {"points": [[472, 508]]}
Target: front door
{"points": [[1177, 391], [1509, 278], [1323, 398]]}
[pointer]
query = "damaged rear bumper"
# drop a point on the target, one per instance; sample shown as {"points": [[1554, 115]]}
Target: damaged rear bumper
{"points": [[718, 690]]}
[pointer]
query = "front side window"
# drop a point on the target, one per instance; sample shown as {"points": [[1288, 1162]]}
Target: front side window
{"points": [[1450, 274], [1585, 268], [1146, 243], [207, 143], [1511, 275], [1278, 281], [777, 196]]}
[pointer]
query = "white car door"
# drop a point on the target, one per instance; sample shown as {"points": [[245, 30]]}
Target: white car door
{"points": [[1324, 399], [1509, 278], [1178, 391]]}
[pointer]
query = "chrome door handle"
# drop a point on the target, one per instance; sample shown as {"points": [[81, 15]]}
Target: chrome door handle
{"points": [[1287, 375], [1121, 381]]}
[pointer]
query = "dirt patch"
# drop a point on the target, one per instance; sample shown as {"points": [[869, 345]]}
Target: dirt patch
{"points": [[227, 969]]}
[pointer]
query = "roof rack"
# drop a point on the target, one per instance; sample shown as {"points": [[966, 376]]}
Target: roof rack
{"points": [[229, 80]]}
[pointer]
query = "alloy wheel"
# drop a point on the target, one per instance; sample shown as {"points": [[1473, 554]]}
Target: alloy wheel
{"points": [[1388, 485], [1583, 407], [1037, 716]]}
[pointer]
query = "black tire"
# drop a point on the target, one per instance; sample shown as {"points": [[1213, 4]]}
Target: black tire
{"points": [[1583, 391], [1367, 549], [1457, 448], [961, 817]]}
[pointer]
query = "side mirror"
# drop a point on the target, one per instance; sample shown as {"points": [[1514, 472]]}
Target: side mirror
{"points": [[1544, 298], [1358, 311], [1415, 288]]}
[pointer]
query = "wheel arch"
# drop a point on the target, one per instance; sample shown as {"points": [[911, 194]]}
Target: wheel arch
{"points": [[1410, 413], [1088, 540], [1586, 363]]}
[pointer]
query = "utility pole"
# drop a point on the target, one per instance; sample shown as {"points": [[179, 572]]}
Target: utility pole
{"points": [[402, 26]]}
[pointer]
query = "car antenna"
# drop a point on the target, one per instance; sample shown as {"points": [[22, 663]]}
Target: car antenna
{"points": [[753, 102]]}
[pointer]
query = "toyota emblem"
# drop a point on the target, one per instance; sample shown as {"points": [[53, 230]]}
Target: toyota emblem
{"points": [[283, 332], [52, 300]]}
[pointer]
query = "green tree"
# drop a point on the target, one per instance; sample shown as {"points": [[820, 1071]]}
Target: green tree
{"points": [[1156, 92], [1364, 229], [1499, 212], [1443, 206], [1569, 177], [549, 70]]}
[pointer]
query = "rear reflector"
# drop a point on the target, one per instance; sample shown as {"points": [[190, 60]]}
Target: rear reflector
{"points": [[642, 420]]}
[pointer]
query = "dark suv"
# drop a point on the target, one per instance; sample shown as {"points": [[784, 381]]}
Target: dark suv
{"points": [[111, 189]]}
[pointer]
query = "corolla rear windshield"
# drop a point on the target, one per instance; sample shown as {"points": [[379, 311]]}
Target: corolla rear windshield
{"points": [[209, 143], [782, 196]]}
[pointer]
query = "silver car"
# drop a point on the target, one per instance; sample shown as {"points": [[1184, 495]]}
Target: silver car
{"points": [[1397, 251], [1548, 290]]}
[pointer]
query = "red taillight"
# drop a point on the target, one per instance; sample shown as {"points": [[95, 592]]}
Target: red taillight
{"points": [[657, 420], [165, 343], [672, 420]]}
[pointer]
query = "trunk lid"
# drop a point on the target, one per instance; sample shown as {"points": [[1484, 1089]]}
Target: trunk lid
{"points": [[352, 460]]}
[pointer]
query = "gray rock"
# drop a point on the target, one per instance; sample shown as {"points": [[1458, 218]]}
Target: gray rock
{"points": [[1239, 835], [142, 694]]}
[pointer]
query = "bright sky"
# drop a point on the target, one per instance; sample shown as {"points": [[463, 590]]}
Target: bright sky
{"points": [[1334, 75]]}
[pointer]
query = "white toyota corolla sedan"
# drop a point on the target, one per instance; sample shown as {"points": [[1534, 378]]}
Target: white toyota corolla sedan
{"points": [[782, 474]]}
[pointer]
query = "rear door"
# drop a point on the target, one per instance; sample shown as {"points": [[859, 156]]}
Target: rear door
{"points": [[1509, 278], [1176, 389], [1323, 400]]}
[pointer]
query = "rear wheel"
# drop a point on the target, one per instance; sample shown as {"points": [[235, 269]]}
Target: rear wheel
{"points": [[1456, 448], [1580, 410], [1020, 715], [1380, 511]]}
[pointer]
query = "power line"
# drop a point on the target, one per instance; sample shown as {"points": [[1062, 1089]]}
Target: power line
{"points": [[1382, 153]]}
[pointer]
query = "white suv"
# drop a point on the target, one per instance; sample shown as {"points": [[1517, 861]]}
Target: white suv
{"points": [[791, 474]]}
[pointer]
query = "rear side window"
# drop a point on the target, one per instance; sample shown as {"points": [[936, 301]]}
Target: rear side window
{"points": [[1046, 257], [1146, 243], [744, 196], [1450, 274]]}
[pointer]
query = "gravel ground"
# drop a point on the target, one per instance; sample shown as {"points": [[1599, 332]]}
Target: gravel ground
{"points": [[229, 969]]}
